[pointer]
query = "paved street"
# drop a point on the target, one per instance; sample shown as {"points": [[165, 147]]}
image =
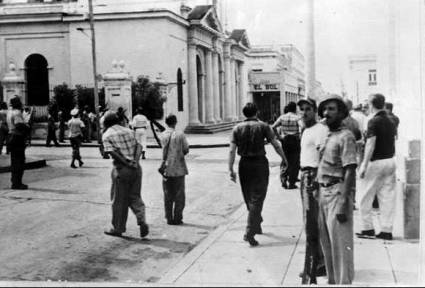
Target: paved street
{"points": [[54, 230]]}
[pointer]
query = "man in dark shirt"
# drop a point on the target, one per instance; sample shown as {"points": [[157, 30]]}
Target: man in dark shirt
{"points": [[394, 118], [377, 171], [248, 137]]}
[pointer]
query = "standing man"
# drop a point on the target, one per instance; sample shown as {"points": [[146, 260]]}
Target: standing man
{"points": [[51, 131], [336, 176], [4, 129], [248, 137], [121, 145], [18, 132], [313, 137], [393, 118], [175, 147], [290, 144], [377, 171], [61, 119], [140, 126], [76, 127]]}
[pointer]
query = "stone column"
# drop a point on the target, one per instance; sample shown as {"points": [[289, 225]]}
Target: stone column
{"points": [[228, 85], [233, 89], [193, 87], [209, 95], [311, 52], [243, 86], [216, 88]]}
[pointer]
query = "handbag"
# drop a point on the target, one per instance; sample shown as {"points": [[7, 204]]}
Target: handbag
{"points": [[163, 168]]}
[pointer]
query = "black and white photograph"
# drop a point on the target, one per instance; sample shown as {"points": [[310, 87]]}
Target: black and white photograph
{"points": [[212, 143]]}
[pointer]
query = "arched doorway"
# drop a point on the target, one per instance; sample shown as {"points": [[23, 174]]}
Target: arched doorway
{"points": [[37, 78], [200, 80]]}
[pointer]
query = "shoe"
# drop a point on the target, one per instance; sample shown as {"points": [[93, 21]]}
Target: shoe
{"points": [[112, 232], [321, 271], [368, 234], [292, 186], [178, 222], [284, 185], [385, 236], [259, 231], [144, 230], [80, 163], [250, 239], [73, 166], [170, 222], [20, 187]]}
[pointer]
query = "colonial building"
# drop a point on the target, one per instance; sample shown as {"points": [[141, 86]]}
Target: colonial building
{"points": [[203, 66], [276, 77]]}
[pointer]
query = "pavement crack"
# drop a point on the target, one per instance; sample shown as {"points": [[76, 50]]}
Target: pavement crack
{"points": [[291, 257]]}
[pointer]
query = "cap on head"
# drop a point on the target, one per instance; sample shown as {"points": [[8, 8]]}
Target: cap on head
{"points": [[307, 101], [333, 97]]}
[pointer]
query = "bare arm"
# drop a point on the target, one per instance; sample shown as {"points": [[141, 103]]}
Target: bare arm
{"points": [[369, 149], [278, 148], [232, 156], [276, 124]]}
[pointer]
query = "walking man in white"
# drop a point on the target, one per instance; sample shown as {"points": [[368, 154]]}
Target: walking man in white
{"points": [[140, 126], [377, 171]]}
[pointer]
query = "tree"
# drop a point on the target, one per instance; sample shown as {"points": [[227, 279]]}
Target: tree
{"points": [[63, 99]]}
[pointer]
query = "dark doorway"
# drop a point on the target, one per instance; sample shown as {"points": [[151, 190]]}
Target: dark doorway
{"points": [[37, 77], [200, 89], [268, 104]]}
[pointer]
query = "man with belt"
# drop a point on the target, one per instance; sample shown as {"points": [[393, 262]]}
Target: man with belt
{"points": [[377, 171], [126, 188], [140, 125], [336, 176], [312, 138], [248, 137]]}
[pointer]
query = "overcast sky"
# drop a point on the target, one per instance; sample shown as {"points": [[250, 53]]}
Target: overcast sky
{"points": [[343, 27]]}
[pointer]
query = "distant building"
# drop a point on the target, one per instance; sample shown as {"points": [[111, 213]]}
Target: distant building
{"points": [[276, 77], [49, 43], [364, 77]]}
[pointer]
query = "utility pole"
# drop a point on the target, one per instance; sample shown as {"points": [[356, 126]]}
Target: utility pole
{"points": [[311, 57], [93, 52]]}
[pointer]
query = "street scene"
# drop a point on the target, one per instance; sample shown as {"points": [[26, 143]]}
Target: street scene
{"points": [[211, 143]]}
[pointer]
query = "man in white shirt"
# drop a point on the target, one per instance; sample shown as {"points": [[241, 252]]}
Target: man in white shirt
{"points": [[140, 127], [312, 138]]}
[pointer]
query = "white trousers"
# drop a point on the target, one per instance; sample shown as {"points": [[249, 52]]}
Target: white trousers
{"points": [[380, 180], [141, 137]]}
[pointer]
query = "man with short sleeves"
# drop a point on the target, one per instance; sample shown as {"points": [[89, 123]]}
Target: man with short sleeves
{"points": [[249, 138], [121, 145], [290, 139], [140, 126], [377, 171], [312, 138], [336, 176]]}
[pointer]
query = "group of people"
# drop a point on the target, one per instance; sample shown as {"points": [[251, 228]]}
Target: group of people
{"points": [[326, 145]]}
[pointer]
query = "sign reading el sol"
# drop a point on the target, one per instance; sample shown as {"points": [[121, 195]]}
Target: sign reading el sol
{"points": [[265, 87]]}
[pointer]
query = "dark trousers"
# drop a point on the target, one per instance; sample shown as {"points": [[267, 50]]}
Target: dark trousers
{"points": [[3, 136], [291, 148], [126, 192], [51, 136], [174, 195], [16, 146], [254, 178], [75, 144], [309, 197], [62, 132]]}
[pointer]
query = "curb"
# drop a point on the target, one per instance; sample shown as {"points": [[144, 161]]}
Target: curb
{"points": [[32, 164], [184, 264]]}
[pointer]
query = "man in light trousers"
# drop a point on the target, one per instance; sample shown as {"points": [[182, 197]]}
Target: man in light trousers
{"points": [[336, 176], [377, 171]]}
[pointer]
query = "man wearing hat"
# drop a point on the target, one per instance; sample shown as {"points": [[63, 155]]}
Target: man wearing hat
{"points": [[75, 126], [119, 142], [336, 176], [312, 138]]}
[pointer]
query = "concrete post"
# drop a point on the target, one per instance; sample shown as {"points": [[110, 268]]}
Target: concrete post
{"points": [[13, 84], [209, 95], [233, 89], [193, 87]]}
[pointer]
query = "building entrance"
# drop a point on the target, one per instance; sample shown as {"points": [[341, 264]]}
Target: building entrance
{"points": [[268, 104], [37, 78]]}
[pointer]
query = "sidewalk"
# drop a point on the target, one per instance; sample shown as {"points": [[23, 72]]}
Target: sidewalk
{"points": [[195, 141], [223, 259]]}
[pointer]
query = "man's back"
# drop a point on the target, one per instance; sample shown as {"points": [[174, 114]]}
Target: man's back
{"points": [[176, 146], [250, 135], [289, 123], [385, 131]]}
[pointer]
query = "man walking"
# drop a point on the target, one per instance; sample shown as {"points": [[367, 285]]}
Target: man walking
{"points": [[51, 131], [290, 144], [140, 126], [248, 138], [18, 132], [336, 176], [313, 137], [119, 142], [175, 147], [377, 171]]}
